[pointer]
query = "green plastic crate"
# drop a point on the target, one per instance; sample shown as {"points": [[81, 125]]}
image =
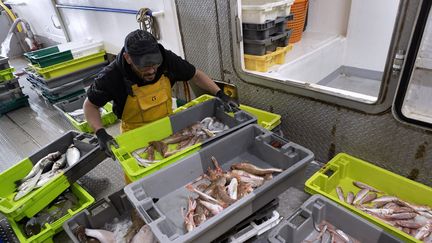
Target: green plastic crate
{"points": [[6, 74], [46, 235], [343, 169], [140, 137], [266, 119], [107, 119], [51, 59], [5, 107], [41, 52], [70, 66]]}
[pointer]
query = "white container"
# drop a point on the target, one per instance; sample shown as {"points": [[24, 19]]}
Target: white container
{"points": [[257, 2], [259, 14], [87, 49]]}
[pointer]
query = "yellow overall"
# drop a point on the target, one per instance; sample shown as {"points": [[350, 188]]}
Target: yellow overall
{"points": [[149, 103]]}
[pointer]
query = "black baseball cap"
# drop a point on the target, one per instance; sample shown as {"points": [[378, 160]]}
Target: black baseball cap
{"points": [[143, 48]]}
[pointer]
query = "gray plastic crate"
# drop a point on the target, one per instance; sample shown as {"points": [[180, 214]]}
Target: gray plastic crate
{"points": [[8, 85], [261, 47], [300, 226], [96, 216], [59, 81], [160, 205], [59, 91], [264, 31], [4, 63]]}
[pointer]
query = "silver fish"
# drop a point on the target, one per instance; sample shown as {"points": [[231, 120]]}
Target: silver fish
{"points": [[350, 197], [386, 199], [360, 195], [104, 236], [362, 185], [29, 186], [72, 155], [46, 177], [253, 169], [213, 208], [41, 164], [368, 198], [423, 232], [340, 193], [232, 189]]}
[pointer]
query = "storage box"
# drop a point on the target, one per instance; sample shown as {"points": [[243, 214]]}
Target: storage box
{"points": [[264, 31], [262, 47], [160, 129], [82, 74], [46, 235], [263, 63], [70, 66], [160, 206], [6, 74], [9, 85], [4, 63], [77, 103], [344, 169], [266, 119], [102, 212], [14, 104], [36, 200], [301, 226], [260, 13], [11, 94]]}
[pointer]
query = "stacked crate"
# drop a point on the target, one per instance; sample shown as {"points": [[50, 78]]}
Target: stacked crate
{"points": [[62, 72], [265, 37], [11, 95]]}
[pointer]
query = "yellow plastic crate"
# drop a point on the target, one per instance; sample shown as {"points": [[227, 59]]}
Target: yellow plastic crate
{"points": [[263, 63], [70, 66], [343, 169]]}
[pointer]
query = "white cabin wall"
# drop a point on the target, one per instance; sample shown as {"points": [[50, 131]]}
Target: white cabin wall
{"points": [[328, 16], [112, 28], [369, 34]]}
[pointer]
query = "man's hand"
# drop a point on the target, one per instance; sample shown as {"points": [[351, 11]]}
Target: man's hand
{"points": [[229, 104], [105, 142]]}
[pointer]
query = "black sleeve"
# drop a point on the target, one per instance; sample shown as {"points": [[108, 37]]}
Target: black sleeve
{"points": [[98, 93], [178, 68]]}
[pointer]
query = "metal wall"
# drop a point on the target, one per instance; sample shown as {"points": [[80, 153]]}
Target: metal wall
{"points": [[324, 128]]}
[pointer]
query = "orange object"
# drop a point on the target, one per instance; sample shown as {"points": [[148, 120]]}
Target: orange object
{"points": [[299, 9]]}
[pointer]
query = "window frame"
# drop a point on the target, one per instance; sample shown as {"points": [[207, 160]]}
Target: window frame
{"points": [[403, 26]]}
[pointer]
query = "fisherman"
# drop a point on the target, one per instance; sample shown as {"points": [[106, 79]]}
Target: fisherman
{"points": [[139, 82]]}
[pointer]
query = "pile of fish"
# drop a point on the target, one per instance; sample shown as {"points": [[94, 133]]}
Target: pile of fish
{"points": [[415, 220], [219, 189], [53, 212], [78, 115], [128, 230], [329, 233], [46, 169], [196, 133]]}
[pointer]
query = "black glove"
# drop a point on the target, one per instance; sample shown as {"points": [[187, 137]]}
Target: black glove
{"points": [[230, 105], [105, 142]]}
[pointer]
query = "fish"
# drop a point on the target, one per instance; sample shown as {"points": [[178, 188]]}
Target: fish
{"points": [[368, 198], [246, 177], [29, 186], [250, 168], [46, 177], [150, 153], [385, 199], [408, 224], [42, 164], [216, 164], [223, 195], [213, 208], [362, 185], [200, 214], [340, 194], [159, 146], [183, 144], [176, 138], [137, 224], [424, 231], [232, 189], [398, 216], [220, 180], [103, 236], [203, 195], [188, 218], [362, 193], [350, 198], [208, 132], [244, 189], [343, 235], [32, 227], [144, 235], [72, 155]]}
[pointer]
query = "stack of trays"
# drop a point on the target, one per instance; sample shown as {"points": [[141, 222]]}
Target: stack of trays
{"points": [[264, 32], [11, 95], [61, 72]]}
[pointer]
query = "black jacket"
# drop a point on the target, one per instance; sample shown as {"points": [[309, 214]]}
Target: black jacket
{"points": [[114, 82]]}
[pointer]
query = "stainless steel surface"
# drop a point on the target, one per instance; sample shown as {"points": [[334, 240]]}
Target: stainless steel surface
{"points": [[324, 128]]}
